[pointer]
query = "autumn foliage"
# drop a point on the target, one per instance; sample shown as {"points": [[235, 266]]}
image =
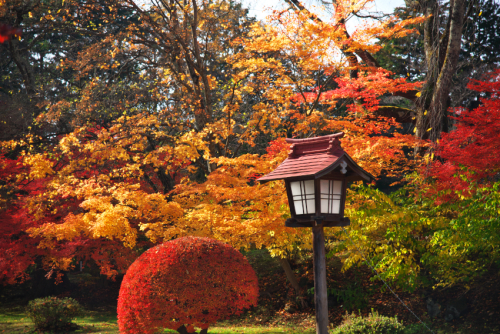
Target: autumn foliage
{"points": [[445, 223], [7, 32], [152, 150], [158, 121], [470, 152], [184, 283]]}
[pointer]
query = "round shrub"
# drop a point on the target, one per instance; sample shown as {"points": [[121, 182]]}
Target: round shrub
{"points": [[184, 283], [373, 324], [53, 314]]}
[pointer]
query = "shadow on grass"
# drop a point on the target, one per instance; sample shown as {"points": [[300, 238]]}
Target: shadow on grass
{"points": [[94, 317], [97, 322], [15, 321], [256, 330]]}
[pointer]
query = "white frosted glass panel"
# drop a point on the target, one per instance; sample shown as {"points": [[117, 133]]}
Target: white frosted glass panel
{"points": [[323, 186], [298, 207], [303, 197], [295, 186], [309, 187], [311, 207], [331, 193], [324, 206], [337, 187], [335, 207]]}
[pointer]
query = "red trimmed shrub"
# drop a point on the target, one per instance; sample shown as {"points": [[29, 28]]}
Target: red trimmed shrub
{"points": [[184, 283]]}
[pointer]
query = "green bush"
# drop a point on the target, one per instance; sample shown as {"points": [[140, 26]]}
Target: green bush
{"points": [[373, 324], [353, 297], [415, 329], [53, 314]]}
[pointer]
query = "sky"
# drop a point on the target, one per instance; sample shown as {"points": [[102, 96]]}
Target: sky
{"points": [[258, 7]]}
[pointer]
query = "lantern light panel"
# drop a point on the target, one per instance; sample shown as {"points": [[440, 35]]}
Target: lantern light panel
{"points": [[331, 194], [303, 197]]}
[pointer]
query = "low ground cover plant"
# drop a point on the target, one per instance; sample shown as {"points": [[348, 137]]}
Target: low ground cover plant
{"points": [[373, 324], [54, 314]]}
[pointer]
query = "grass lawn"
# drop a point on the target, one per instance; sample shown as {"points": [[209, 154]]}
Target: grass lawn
{"points": [[15, 321]]}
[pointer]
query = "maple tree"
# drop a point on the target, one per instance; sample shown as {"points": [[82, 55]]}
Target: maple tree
{"points": [[471, 150], [466, 183], [324, 93], [58, 163], [153, 123], [444, 26], [147, 131], [442, 228], [185, 283], [18, 248]]}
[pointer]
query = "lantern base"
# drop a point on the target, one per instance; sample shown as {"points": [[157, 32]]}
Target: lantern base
{"points": [[292, 222]]}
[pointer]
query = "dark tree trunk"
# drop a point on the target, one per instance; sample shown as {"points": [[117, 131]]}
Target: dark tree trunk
{"points": [[41, 286], [290, 275], [183, 330], [441, 51]]}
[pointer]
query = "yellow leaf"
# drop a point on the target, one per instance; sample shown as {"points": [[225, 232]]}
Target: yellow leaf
{"points": [[418, 94], [30, 15], [480, 13], [425, 113], [429, 129], [414, 130]]}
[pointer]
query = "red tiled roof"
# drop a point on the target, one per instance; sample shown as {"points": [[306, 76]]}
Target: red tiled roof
{"points": [[314, 157]]}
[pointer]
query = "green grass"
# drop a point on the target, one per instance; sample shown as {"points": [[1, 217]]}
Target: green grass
{"points": [[15, 321]]}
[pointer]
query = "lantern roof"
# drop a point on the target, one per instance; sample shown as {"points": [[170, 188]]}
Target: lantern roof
{"points": [[312, 158]]}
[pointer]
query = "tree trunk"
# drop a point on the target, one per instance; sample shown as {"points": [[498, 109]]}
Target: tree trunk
{"points": [[41, 286], [440, 98], [290, 275], [442, 53], [183, 330]]}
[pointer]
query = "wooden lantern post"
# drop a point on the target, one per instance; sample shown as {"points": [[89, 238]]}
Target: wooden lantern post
{"points": [[316, 174]]}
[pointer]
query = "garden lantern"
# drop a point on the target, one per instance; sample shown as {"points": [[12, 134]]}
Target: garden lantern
{"points": [[316, 174]]}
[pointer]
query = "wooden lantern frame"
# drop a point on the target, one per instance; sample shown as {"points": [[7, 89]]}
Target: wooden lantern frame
{"points": [[318, 158]]}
